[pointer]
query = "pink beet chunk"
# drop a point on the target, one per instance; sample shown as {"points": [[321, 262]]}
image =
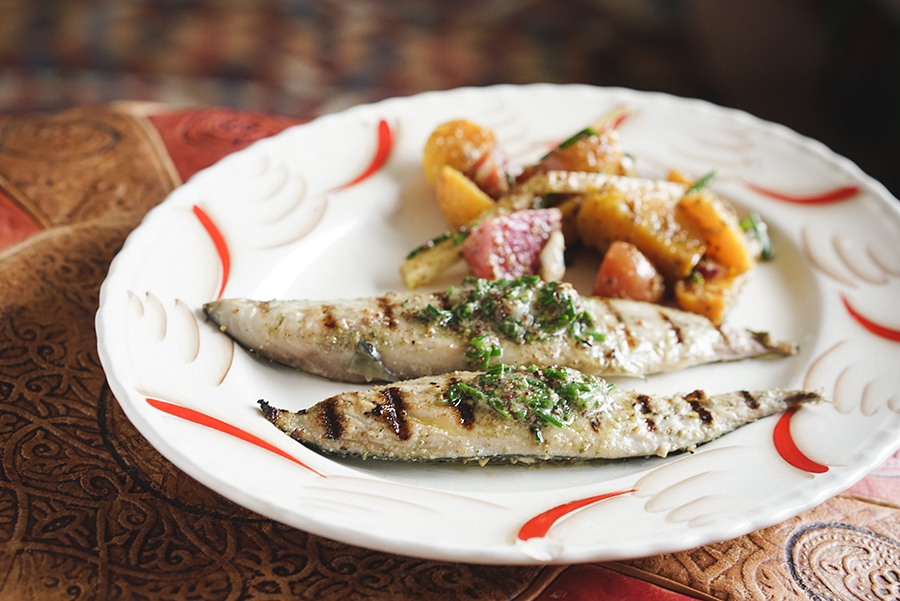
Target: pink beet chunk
{"points": [[509, 246]]}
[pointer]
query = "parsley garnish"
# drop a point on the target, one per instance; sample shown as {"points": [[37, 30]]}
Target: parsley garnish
{"points": [[544, 396]]}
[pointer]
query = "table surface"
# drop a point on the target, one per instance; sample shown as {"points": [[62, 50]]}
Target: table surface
{"points": [[89, 510]]}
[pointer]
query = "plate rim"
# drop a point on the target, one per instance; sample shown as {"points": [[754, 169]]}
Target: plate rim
{"points": [[463, 553]]}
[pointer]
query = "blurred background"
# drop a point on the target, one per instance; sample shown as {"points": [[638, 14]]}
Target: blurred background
{"points": [[829, 69]]}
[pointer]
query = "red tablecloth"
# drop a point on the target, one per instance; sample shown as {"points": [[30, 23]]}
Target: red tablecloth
{"points": [[89, 510]]}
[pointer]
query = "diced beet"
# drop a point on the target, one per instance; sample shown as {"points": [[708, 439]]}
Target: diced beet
{"points": [[509, 246], [626, 273]]}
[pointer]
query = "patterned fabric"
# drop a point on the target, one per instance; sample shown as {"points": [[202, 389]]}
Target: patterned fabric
{"points": [[90, 510], [296, 57], [829, 70]]}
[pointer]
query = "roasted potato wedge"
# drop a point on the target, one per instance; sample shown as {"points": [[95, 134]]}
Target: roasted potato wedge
{"points": [[460, 144], [711, 297], [459, 199], [648, 219], [726, 242]]}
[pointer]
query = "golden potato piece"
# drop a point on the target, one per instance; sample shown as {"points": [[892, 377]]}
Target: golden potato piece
{"points": [[459, 199], [647, 219], [459, 144], [710, 297], [726, 243], [569, 207]]}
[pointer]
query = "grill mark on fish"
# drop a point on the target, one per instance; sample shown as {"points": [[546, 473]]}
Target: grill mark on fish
{"points": [[329, 321], [331, 420], [695, 399], [750, 399], [800, 397], [445, 302], [393, 412], [643, 401], [678, 335], [465, 411], [387, 309], [466, 414], [629, 337]]}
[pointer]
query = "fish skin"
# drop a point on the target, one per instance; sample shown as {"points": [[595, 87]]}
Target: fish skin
{"points": [[323, 338], [412, 421]]}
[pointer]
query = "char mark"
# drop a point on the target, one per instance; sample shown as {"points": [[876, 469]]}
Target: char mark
{"points": [[329, 321], [651, 425], [268, 410], [695, 399], [393, 412], [330, 419], [800, 397], [751, 401], [643, 401], [678, 335], [444, 301], [465, 412], [387, 309], [629, 337]]}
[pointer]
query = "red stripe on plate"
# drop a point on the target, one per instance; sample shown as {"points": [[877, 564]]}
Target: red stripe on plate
{"points": [[787, 448], [875, 328], [832, 196], [219, 242], [382, 152], [539, 525], [216, 424]]}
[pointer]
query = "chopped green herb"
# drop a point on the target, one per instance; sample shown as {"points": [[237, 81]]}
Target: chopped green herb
{"points": [[697, 277], [483, 349], [432, 314], [521, 310], [756, 228], [544, 396], [430, 244], [584, 133], [700, 183], [461, 236], [510, 327]]}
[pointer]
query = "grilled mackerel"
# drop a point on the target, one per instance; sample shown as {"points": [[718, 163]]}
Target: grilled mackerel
{"points": [[401, 336], [520, 414]]}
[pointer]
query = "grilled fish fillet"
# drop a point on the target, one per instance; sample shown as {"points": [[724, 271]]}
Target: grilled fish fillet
{"points": [[405, 335], [521, 414]]}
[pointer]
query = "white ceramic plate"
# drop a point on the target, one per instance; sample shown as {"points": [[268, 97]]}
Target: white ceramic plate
{"points": [[316, 212]]}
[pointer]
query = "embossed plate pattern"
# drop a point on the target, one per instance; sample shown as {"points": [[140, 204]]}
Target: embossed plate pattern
{"points": [[329, 209]]}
